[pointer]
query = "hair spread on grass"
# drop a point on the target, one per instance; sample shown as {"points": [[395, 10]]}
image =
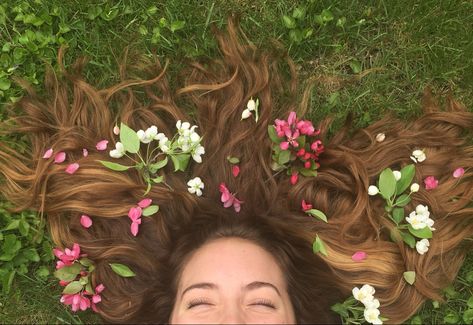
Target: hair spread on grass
{"points": [[71, 114]]}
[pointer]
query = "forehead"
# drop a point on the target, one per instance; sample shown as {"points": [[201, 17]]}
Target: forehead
{"points": [[231, 261]]}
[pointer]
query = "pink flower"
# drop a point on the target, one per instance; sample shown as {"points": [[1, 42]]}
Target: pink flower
{"points": [[228, 199], [85, 152], [77, 301], [359, 256], [306, 127], [458, 172], [145, 203], [85, 221], [135, 226], [291, 120], [102, 145], [48, 154], [72, 168], [281, 127], [306, 206], [430, 183], [135, 213], [284, 145], [68, 256], [235, 170], [60, 157], [294, 178]]}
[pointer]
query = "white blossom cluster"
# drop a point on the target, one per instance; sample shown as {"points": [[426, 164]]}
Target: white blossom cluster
{"points": [[365, 295]]}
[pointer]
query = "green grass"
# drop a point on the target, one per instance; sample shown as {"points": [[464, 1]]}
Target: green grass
{"points": [[371, 57]]}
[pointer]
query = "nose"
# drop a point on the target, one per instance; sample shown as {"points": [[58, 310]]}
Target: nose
{"points": [[233, 315]]}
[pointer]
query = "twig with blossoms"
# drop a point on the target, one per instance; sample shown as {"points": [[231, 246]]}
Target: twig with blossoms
{"points": [[295, 147]]}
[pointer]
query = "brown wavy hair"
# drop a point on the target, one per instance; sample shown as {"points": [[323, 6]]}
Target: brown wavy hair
{"points": [[71, 114]]}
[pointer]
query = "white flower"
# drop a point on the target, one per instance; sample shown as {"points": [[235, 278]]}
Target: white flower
{"points": [[422, 246], [197, 152], [251, 105], [365, 294], [397, 174], [372, 316], [163, 143], [149, 135], [423, 209], [418, 156], [194, 138], [195, 186], [245, 114], [380, 137], [119, 151], [373, 304], [420, 218], [373, 190], [183, 128], [415, 187]]}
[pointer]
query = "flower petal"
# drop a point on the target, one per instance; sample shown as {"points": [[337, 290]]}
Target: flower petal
{"points": [[85, 152], [359, 256], [235, 170], [102, 145], [145, 203], [48, 153], [85, 221], [458, 172], [72, 168], [60, 157], [134, 228]]}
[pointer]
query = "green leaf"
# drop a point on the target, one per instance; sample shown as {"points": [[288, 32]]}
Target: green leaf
{"points": [[122, 270], [93, 12], [284, 157], [407, 175], [5, 84], [340, 309], [158, 179], [109, 14], [398, 215], [451, 318], [469, 277], [160, 164], [403, 200], [319, 246], [273, 135], [326, 15], [416, 320], [421, 233], [7, 280], [152, 209], [296, 35], [88, 287], [289, 22], [177, 25], [387, 183], [299, 12], [470, 302], [408, 239], [68, 273], [10, 247], [42, 272], [129, 139], [24, 227], [13, 225], [86, 262], [410, 277], [317, 214], [233, 160], [72, 288], [31, 254], [180, 161], [468, 316], [308, 172], [114, 166]]}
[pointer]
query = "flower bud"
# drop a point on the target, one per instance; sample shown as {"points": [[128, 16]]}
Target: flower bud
{"points": [[246, 113], [415, 187], [380, 137], [373, 190], [397, 174], [251, 106]]}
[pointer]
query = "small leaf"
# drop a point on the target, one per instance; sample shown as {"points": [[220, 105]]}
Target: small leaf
{"points": [[233, 160], [86, 262], [284, 157], [5, 84], [289, 22], [273, 135], [470, 302], [451, 318], [308, 172], [299, 12], [408, 239], [421, 233], [403, 200], [180, 161], [407, 175], [68, 273], [410, 277], [319, 246], [160, 164], [177, 25], [469, 277], [468, 316], [13, 225], [24, 227], [387, 183], [416, 320], [122, 270], [72, 288], [158, 179], [152, 209], [317, 213], [42, 272], [31, 254], [398, 215], [129, 139], [114, 166]]}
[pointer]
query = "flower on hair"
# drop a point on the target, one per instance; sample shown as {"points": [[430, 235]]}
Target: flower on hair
{"points": [[306, 206], [101, 145], [228, 199], [119, 151], [431, 182], [422, 246], [60, 157], [457, 173], [418, 156], [359, 256], [380, 137], [143, 208], [85, 152], [251, 106], [85, 221], [420, 218], [295, 147], [116, 130], [68, 256], [195, 186], [149, 135], [397, 174], [48, 153], [72, 168], [373, 190], [365, 295], [415, 187]]}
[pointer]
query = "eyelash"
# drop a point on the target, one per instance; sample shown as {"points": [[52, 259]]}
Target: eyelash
{"points": [[201, 301], [265, 302]]}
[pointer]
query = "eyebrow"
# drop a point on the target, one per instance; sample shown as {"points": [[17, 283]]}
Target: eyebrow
{"points": [[251, 286]]}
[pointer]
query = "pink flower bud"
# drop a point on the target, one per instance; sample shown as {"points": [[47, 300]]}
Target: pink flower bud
{"points": [[306, 206], [235, 170], [294, 178], [145, 203]]}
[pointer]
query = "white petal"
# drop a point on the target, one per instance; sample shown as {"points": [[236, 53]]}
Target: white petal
{"points": [[373, 190]]}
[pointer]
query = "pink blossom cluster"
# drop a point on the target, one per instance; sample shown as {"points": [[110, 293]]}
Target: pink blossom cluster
{"points": [[228, 199], [81, 301], [68, 256], [135, 214]]}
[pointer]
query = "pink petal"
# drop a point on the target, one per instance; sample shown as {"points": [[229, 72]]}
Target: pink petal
{"points": [[48, 153], [60, 157], [145, 203], [58, 253], [359, 256], [85, 152], [102, 145], [134, 227], [63, 283], [458, 172], [135, 213], [430, 183], [59, 264], [229, 202], [72, 168], [284, 145], [292, 118], [85, 221], [306, 206], [294, 178], [99, 288], [237, 206], [235, 170], [75, 250], [96, 299]]}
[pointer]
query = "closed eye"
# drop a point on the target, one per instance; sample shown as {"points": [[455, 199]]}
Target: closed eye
{"points": [[198, 302], [265, 303]]}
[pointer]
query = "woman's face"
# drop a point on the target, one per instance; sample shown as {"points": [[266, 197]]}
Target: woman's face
{"points": [[232, 280]]}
